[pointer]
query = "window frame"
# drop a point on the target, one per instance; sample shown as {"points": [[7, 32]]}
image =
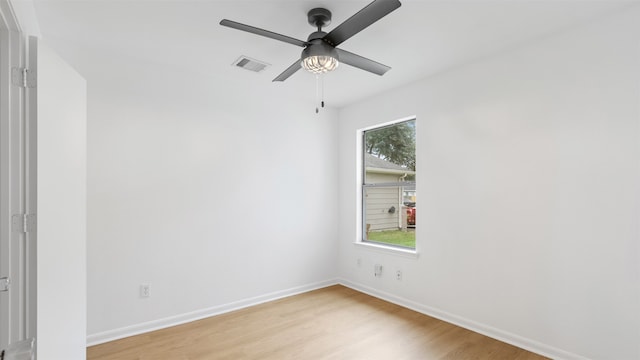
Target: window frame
{"points": [[362, 186]]}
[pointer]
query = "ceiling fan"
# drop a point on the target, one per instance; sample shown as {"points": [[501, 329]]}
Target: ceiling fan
{"points": [[320, 54]]}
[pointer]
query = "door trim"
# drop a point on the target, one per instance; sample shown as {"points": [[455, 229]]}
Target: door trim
{"points": [[13, 253]]}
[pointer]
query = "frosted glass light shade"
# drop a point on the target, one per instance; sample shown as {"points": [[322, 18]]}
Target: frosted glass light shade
{"points": [[319, 64]]}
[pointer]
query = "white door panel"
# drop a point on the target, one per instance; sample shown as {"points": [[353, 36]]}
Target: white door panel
{"points": [[61, 206]]}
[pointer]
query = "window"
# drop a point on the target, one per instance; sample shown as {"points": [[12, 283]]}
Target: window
{"points": [[389, 185]]}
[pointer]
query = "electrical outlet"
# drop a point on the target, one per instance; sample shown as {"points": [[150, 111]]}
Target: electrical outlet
{"points": [[359, 262], [377, 270], [145, 290], [398, 274]]}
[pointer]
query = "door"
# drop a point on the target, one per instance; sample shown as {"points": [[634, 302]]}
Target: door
{"points": [[56, 158], [43, 197]]}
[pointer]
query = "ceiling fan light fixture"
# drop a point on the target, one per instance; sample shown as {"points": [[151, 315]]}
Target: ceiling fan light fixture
{"points": [[319, 64], [319, 57]]}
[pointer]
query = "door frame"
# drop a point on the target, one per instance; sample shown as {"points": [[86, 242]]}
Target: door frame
{"points": [[15, 253]]}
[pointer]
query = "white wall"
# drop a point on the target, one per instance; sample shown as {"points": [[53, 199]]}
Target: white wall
{"points": [[215, 203], [528, 201]]}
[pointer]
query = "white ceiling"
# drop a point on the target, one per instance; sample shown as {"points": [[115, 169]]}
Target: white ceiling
{"points": [[420, 39]]}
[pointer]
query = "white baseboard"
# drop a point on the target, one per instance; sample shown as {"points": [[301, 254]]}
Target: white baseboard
{"points": [[516, 340], [99, 338], [509, 338]]}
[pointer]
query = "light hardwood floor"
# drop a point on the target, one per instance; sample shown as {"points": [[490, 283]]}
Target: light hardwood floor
{"points": [[330, 323]]}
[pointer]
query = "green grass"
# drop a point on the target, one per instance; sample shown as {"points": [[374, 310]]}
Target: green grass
{"points": [[394, 237]]}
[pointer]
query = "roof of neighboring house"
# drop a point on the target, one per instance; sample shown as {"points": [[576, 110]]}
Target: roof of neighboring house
{"points": [[376, 164]]}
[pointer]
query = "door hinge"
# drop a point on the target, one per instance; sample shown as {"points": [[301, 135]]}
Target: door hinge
{"points": [[5, 284], [23, 77], [24, 223]]}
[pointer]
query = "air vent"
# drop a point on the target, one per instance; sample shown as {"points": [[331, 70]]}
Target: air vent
{"points": [[250, 64]]}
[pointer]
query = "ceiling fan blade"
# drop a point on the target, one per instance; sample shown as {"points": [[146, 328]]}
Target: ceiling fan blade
{"points": [[363, 18], [290, 71], [361, 62], [262, 32]]}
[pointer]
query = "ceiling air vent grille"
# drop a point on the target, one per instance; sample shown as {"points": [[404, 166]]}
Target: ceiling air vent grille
{"points": [[250, 64]]}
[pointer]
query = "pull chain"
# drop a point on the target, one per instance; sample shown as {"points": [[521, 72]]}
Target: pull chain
{"points": [[319, 91], [322, 90]]}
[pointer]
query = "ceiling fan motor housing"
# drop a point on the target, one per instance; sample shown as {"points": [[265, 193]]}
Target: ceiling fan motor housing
{"points": [[318, 47]]}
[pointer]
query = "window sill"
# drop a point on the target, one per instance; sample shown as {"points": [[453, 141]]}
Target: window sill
{"points": [[407, 253]]}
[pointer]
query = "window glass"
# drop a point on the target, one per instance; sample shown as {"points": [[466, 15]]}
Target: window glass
{"points": [[388, 189]]}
